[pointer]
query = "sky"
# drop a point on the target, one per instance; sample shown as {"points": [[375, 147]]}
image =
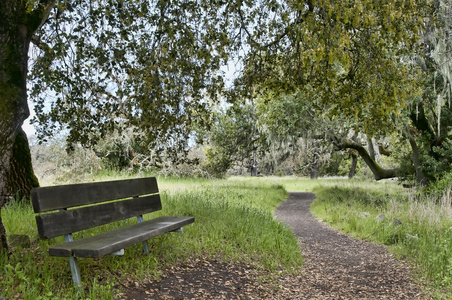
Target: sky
{"points": [[27, 127]]}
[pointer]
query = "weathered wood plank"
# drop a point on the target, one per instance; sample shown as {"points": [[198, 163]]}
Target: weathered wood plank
{"points": [[64, 222], [66, 196], [121, 238]]}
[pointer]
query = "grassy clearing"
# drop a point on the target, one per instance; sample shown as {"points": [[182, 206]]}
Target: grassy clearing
{"points": [[234, 220], [424, 237]]}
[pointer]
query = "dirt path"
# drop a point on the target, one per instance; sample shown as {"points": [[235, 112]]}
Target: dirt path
{"points": [[339, 267], [336, 267]]}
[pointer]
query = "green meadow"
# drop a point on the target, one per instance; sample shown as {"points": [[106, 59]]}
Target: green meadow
{"points": [[234, 221]]}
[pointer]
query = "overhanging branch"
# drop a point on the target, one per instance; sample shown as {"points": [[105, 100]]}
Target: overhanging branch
{"points": [[377, 170]]}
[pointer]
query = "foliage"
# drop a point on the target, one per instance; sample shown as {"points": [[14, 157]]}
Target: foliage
{"points": [[149, 65], [337, 165], [234, 138], [346, 59], [349, 58], [437, 189], [217, 162], [294, 130]]}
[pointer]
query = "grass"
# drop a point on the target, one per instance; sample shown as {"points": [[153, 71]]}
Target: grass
{"points": [[234, 221]]}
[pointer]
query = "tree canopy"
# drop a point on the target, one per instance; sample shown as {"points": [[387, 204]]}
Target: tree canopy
{"points": [[107, 65], [350, 58]]}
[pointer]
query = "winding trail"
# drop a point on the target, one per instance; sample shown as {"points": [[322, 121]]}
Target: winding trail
{"points": [[336, 267], [339, 267]]}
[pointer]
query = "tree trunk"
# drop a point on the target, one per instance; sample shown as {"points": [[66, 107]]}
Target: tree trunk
{"points": [[370, 144], [16, 28], [21, 176], [352, 171], [420, 177], [3, 241], [315, 161]]}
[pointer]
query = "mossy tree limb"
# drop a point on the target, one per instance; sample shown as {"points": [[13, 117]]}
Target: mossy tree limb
{"points": [[377, 170]]}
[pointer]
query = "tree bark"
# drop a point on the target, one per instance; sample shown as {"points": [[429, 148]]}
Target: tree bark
{"points": [[17, 25], [377, 170], [315, 161], [352, 171], [420, 177], [21, 175], [384, 151], [371, 149]]}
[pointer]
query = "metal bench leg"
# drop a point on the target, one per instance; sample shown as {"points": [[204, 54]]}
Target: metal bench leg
{"points": [[75, 270], [145, 243], [145, 247]]}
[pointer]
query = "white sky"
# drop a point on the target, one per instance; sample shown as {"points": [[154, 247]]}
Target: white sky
{"points": [[27, 127]]}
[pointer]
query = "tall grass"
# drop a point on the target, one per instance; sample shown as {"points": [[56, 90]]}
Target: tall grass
{"points": [[233, 221], [424, 237]]}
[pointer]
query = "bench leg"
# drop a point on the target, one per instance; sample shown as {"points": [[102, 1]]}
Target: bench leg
{"points": [[145, 243], [75, 272], [145, 247]]}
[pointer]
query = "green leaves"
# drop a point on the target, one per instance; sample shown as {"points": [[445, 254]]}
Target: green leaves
{"points": [[114, 63], [351, 57]]}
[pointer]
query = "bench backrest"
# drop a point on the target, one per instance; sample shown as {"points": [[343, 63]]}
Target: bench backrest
{"points": [[75, 209]]}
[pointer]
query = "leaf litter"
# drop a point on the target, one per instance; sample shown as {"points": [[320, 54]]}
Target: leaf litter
{"points": [[335, 267]]}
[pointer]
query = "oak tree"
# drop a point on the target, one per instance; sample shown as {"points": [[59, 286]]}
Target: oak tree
{"points": [[104, 65], [350, 59]]}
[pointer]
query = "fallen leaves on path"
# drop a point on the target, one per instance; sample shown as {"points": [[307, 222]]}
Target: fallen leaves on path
{"points": [[336, 267]]}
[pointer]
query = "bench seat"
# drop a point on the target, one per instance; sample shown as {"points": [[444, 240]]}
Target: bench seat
{"points": [[112, 241]]}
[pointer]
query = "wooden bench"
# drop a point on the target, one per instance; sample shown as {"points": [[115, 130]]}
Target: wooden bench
{"points": [[62, 210]]}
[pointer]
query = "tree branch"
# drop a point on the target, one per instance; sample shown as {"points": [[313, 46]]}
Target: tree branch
{"points": [[377, 170], [282, 35], [39, 15]]}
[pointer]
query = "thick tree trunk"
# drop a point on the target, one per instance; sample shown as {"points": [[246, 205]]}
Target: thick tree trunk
{"points": [[379, 172], [21, 175], [16, 28], [14, 43]]}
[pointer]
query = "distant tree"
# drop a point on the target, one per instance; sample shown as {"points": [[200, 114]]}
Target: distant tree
{"points": [[430, 114], [288, 118], [233, 139], [352, 60]]}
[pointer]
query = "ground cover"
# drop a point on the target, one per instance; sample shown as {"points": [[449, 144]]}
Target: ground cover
{"points": [[234, 221]]}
